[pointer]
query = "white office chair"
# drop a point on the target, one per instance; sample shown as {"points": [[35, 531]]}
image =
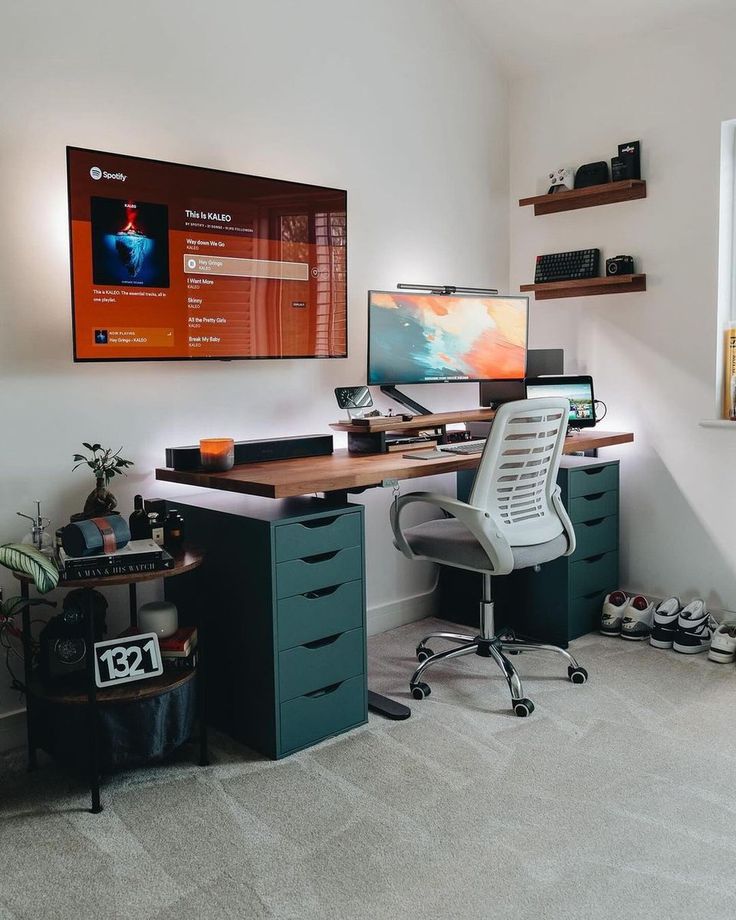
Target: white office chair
{"points": [[514, 519]]}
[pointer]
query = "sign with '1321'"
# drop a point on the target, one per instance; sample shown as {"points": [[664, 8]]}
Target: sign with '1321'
{"points": [[129, 658]]}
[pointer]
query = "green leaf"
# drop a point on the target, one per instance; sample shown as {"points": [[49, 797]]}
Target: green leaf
{"points": [[18, 557], [15, 605], [95, 447], [88, 446], [79, 457]]}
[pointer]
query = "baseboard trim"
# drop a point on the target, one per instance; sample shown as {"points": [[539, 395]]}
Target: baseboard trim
{"points": [[399, 613], [12, 730]]}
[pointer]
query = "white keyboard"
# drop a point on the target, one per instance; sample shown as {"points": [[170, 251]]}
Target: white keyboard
{"points": [[464, 447]]}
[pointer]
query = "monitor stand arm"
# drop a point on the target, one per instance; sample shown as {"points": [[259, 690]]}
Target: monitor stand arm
{"points": [[405, 400]]}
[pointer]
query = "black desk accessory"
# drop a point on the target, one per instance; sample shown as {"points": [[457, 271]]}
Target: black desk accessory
{"points": [[539, 361], [259, 451], [567, 266], [620, 265], [592, 174]]}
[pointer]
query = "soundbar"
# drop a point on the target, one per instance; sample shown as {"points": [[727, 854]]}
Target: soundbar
{"points": [[310, 445]]}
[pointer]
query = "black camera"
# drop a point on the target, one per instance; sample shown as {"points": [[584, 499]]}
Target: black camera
{"points": [[620, 265], [63, 641]]}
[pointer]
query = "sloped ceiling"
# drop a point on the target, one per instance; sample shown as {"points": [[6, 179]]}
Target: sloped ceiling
{"points": [[526, 34]]}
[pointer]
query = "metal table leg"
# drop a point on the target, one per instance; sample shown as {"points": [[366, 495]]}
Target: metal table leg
{"points": [[94, 763], [27, 675]]}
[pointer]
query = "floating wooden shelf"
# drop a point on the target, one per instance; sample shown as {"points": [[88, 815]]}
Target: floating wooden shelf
{"points": [[587, 287], [590, 197]]}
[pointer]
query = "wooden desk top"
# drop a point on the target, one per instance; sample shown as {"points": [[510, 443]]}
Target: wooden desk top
{"points": [[342, 470]]}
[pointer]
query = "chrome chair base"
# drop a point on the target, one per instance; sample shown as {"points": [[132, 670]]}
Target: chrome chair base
{"points": [[491, 647]]}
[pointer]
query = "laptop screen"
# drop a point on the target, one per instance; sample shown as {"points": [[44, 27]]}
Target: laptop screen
{"points": [[578, 389]]}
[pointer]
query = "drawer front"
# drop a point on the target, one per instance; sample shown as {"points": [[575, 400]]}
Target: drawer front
{"points": [[325, 661], [598, 573], [587, 480], [319, 571], [322, 535], [595, 505], [598, 536], [327, 711], [325, 612], [584, 615]]}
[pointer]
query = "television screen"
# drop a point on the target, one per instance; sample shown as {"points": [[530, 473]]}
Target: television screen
{"points": [[182, 262], [437, 338]]}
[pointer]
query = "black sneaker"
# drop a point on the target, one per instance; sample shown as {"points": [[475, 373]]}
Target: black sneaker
{"points": [[665, 623], [695, 628]]}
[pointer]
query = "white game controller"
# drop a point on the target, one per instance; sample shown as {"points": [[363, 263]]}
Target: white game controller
{"points": [[561, 179]]}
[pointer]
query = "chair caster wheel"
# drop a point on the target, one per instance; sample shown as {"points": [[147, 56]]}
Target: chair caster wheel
{"points": [[523, 708], [577, 675], [423, 653], [420, 691]]}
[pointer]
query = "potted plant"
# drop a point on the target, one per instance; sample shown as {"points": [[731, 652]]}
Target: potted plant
{"points": [[33, 564], [104, 463]]}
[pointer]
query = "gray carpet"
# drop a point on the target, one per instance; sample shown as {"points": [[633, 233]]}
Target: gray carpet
{"points": [[613, 800]]}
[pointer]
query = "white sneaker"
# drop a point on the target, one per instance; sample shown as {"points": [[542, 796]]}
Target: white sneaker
{"points": [[665, 623], [637, 620], [612, 613], [723, 644], [695, 626]]}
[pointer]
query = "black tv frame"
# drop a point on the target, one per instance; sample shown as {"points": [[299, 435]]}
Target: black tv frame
{"points": [[102, 360]]}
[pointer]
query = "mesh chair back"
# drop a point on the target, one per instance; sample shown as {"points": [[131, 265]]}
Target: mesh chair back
{"points": [[518, 469]]}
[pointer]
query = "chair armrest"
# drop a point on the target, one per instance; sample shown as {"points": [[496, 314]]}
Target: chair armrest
{"points": [[565, 519], [481, 524]]}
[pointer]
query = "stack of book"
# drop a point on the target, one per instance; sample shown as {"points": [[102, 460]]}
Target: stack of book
{"points": [[179, 652], [136, 557]]}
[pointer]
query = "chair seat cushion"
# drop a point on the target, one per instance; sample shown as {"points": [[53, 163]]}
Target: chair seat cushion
{"points": [[447, 540]]}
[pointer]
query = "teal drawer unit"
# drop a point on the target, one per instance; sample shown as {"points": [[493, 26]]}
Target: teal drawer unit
{"points": [[563, 599], [282, 588]]}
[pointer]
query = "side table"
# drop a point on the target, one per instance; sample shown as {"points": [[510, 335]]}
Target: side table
{"points": [[37, 694]]}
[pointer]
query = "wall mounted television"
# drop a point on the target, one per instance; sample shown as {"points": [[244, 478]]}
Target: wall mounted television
{"points": [[173, 262], [439, 338]]}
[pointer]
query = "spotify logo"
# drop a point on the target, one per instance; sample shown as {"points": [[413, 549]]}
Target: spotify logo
{"points": [[96, 172]]}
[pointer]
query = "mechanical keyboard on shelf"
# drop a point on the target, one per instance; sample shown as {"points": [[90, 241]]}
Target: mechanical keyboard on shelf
{"points": [[464, 447], [567, 266]]}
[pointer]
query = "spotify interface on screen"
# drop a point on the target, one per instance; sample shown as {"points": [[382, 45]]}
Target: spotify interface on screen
{"points": [[173, 261]]}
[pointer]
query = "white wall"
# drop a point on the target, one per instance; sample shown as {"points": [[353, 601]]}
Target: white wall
{"points": [[394, 102], [653, 355]]}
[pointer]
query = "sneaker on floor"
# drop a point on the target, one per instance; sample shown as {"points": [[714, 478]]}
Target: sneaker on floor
{"points": [[723, 644], [665, 623], [637, 620], [612, 613], [694, 628]]}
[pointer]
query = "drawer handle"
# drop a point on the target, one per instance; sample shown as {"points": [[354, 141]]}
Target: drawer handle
{"points": [[594, 497], [321, 592], [325, 691], [320, 557], [320, 643], [589, 597], [591, 559], [320, 522], [593, 523], [595, 471]]}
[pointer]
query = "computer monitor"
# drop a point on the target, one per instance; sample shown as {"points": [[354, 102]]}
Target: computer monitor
{"points": [[578, 389], [439, 338], [539, 361]]}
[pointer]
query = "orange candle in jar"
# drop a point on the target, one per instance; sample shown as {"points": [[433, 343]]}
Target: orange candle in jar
{"points": [[217, 454]]}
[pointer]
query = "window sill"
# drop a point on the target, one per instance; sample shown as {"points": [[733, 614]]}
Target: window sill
{"points": [[717, 423]]}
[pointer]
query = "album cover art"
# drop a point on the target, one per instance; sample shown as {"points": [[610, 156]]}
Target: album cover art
{"points": [[130, 242]]}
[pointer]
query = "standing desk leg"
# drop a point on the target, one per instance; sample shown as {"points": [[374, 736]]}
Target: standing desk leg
{"points": [[377, 702], [27, 673], [94, 764]]}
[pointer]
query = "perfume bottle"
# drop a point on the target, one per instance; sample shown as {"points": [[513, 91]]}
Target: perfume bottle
{"points": [[38, 535]]}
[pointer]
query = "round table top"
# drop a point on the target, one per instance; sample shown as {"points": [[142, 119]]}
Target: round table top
{"points": [[185, 560]]}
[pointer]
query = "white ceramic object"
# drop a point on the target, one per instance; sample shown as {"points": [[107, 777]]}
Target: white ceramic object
{"points": [[159, 617]]}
